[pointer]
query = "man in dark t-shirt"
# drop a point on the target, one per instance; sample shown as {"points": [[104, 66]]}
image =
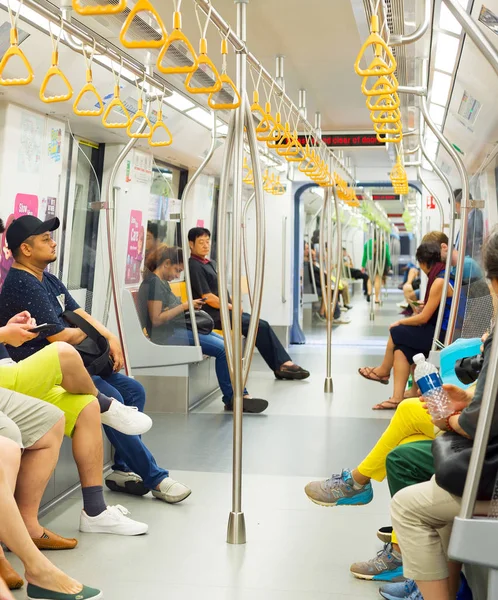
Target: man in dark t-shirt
{"points": [[204, 278]]}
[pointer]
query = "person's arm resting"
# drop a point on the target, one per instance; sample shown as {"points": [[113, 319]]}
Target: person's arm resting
{"points": [[429, 308], [158, 316]]}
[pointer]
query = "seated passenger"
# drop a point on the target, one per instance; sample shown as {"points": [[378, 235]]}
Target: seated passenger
{"points": [[415, 334], [28, 284], [311, 263], [152, 238], [163, 315], [423, 514], [57, 375], [357, 273], [205, 285], [471, 269], [44, 579]]}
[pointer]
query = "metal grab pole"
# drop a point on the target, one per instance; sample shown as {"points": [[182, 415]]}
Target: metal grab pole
{"points": [[481, 439], [472, 30], [259, 271], [236, 532], [371, 267], [451, 238], [322, 257], [433, 194], [111, 240], [463, 216], [183, 225], [244, 245], [329, 312], [402, 40]]}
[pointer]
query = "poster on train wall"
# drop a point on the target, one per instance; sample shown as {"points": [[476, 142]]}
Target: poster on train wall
{"points": [[142, 167], [55, 143], [134, 254], [30, 142]]}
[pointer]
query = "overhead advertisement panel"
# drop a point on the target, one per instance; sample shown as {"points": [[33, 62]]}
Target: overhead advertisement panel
{"points": [[347, 140]]}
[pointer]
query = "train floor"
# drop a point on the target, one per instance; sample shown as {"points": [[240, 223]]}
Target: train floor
{"points": [[295, 549]]}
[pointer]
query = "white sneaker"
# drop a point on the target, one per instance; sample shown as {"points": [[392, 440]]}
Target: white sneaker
{"points": [[171, 491], [113, 520], [342, 320], [126, 419]]}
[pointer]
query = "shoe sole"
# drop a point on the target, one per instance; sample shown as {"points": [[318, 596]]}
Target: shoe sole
{"points": [[253, 406], [107, 531], [130, 487], [296, 376], [180, 499], [391, 576], [97, 597], [338, 503]]}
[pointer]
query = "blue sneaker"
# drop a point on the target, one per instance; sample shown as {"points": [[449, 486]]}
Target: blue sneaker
{"points": [[386, 566], [339, 490], [398, 591]]}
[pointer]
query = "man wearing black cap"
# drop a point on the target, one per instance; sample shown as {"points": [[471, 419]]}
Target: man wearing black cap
{"points": [[29, 286]]}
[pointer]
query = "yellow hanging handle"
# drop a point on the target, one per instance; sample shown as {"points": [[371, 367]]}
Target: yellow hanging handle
{"points": [[177, 37], [265, 127], [140, 114], [160, 125], [392, 138], [385, 116], [285, 141], [378, 65], [88, 88], [276, 133], [14, 50], [204, 63], [387, 84], [99, 9], [143, 6], [55, 71], [247, 173], [227, 86], [384, 102], [116, 102], [388, 128]]}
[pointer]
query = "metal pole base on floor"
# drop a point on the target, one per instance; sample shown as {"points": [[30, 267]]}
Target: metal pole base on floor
{"points": [[236, 533], [328, 386]]}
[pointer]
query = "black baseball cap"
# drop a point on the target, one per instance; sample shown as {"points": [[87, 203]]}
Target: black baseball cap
{"points": [[24, 227]]}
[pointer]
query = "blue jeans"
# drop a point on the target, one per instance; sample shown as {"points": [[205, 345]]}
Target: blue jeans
{"points": [[213, 345], [131, 453]]}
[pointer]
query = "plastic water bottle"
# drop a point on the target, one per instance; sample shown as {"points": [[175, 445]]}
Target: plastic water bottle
{"points": [[431, 385]]}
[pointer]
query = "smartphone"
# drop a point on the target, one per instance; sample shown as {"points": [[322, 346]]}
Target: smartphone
{"points": [[41, 328], [203, 300]]}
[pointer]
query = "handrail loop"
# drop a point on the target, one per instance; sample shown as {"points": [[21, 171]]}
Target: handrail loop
{"points": [[184, 231], [245, 247], [402, 40]]}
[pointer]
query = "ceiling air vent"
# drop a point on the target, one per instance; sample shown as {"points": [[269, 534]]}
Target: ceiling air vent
{"points": [[469, 108]]}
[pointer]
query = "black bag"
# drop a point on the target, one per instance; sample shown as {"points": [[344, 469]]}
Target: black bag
{"points": [[94, 349], [451, 453], [205, 323]]}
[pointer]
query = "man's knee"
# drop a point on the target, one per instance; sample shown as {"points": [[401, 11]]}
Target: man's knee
{"points": [[89, 416], [66, 350], [10, 446], [10, 434]]}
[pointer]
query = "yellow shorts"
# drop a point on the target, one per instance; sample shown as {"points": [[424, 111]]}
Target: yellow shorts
{"points": [[40, 376]]}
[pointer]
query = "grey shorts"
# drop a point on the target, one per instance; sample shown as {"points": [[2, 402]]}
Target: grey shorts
{"points": [[25, 420]]}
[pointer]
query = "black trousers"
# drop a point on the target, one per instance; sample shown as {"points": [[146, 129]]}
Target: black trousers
{"points": [[357, 274], [267, 343]]}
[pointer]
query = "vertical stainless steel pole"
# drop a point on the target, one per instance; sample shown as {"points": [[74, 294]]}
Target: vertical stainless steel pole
{"points": [[183, 221], [244, 244], [457, 291], [329, 312], [371, 267], [111, 239], [236, 525]]}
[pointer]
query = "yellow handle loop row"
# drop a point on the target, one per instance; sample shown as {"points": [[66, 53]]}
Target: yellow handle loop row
{"points": [[14, 50], [99, 9]]}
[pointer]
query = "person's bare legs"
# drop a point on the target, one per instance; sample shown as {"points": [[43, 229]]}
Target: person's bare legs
{"points": [[75, 377], [11, 460], [38, 569], [377, 288], [383, 371], [435, 590], [401, 373], [4, 591], [37, 465], [88, 450]]}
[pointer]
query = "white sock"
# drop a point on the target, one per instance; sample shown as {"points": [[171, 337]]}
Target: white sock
{"points": [[356, 485]]}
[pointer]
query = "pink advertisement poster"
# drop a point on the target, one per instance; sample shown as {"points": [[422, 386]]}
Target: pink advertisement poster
{"points": [[25, 204], [134, 254]]}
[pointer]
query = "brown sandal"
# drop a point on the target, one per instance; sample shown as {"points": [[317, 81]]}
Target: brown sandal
{"points": [[386, 405], [369, 373]]}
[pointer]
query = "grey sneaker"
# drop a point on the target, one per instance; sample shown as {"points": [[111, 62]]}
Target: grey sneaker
{"points": [[338, 490], [386, 566]]}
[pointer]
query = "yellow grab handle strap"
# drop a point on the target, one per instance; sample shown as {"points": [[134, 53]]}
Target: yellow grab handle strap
{"points": [[140, 114], [14, 50], [263, 130], [395, 128], [375, 39], [237, 100], [276, 133], [142, 6], [160, 124], [383, 102], [394, 139], [177, 36], [116, 102], [205, 64], [387, 84], [55, 71], [99, 9], [385, 116], [89, 88]]}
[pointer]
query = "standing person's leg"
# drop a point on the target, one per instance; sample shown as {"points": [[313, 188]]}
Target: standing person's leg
{"points": [[40, 572], [132, 454], [272, 351]]}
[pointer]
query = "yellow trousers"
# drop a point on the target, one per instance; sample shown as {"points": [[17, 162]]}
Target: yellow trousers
{"points": [[410, 423]]}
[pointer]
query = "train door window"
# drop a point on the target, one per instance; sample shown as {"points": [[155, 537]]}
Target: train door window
{"points": [[81, 220]]}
